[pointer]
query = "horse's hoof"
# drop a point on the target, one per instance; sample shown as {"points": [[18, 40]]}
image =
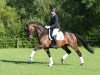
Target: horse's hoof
{"points": [[50, 65], [62, 61], [30, 60], [81, 64]]}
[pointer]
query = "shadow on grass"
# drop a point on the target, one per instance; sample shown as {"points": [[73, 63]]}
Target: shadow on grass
{"points": [[26, 62], [60, 64], [22, 62]]}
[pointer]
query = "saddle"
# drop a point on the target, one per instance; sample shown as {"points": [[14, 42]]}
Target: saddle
{"points": [[59, 36]]}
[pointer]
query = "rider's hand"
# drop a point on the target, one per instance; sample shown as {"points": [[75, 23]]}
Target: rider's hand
{"points": [[47, 27]]}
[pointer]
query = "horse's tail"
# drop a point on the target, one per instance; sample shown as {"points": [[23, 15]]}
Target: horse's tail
{"points": [[84, 43]]}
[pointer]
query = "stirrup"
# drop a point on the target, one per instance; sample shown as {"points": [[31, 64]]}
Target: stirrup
{"points": [[55, 47], [52, 46]]}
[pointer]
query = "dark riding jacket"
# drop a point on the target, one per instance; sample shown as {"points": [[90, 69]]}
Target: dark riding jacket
{"points": [[54, 22]]}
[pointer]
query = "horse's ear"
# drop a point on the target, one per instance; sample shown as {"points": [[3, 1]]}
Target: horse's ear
{"points": [[26, 27]]}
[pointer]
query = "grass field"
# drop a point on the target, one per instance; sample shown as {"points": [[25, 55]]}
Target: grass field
{"points": [[14, 62]]}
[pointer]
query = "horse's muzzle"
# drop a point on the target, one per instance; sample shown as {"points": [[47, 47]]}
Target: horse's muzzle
{"points": [[30, 37]]}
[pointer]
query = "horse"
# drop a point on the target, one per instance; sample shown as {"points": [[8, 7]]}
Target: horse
{"points": [[70, 39]]}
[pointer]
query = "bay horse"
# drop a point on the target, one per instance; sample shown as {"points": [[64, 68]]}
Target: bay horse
{"points": [[70, 39]]}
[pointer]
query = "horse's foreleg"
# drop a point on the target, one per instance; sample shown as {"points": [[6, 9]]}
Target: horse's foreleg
{"points": [[31, 56], [33, 53], [49, 55]]}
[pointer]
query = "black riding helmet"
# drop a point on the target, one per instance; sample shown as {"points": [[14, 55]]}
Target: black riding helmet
{"points": [[53, 9]]}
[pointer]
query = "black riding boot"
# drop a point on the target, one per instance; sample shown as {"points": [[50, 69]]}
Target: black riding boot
{"points": [[54, 42]]}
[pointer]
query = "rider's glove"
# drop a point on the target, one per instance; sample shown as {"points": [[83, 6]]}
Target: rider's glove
{"points": [[47, 27]]}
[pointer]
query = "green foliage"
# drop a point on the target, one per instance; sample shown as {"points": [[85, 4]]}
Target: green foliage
{"points": [[7, 42], [8, 17], [2, 29], [77, 16]]}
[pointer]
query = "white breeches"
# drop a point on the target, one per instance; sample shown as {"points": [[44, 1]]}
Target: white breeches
{"points": [[55, 31]]}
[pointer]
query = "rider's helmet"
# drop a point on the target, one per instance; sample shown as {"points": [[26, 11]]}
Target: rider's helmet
{"points": [[53, 9]]}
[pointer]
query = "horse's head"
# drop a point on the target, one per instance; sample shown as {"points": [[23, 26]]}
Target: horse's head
{"points": [[34, 28], [31, 29]]}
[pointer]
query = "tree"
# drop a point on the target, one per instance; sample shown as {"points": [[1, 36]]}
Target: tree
{"points": [[77, 16]]}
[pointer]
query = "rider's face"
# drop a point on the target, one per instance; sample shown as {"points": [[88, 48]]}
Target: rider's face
{"points": [[52, 13]]}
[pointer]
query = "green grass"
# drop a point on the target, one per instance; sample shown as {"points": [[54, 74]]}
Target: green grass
{"points": [[14, 62]]}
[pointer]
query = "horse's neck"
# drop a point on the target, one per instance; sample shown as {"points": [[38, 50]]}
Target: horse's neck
{"points": [[40, 31]]}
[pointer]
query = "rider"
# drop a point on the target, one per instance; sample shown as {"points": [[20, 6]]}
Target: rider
{"points": [[53, 26]]}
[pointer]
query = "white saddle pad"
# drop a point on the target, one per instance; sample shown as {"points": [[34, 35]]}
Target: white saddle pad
{"points": [[60, 36]]}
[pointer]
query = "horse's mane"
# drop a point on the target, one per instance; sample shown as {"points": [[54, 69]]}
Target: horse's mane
{"points": [[39, 24]]}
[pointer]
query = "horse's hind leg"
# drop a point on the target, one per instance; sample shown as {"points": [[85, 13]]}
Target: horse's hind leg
{"points": [[65, 55], [49, 55], [75, 47]]}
